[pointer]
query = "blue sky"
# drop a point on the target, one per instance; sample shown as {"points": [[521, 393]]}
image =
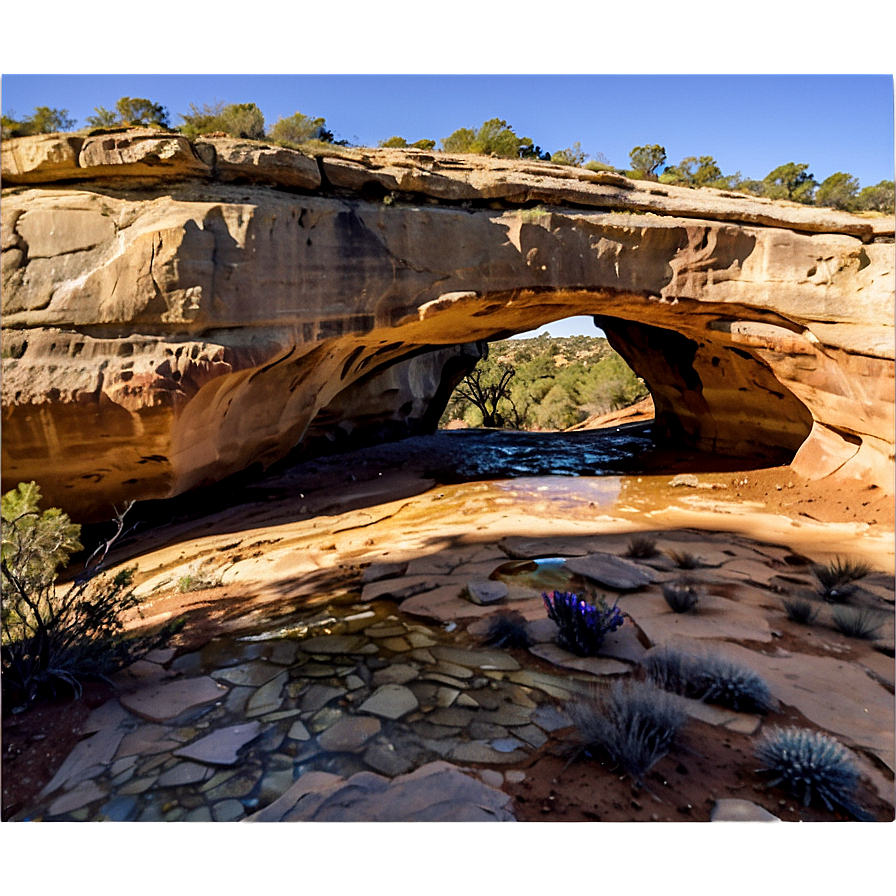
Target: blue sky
{"points": [[754, 84], [748, 123]]}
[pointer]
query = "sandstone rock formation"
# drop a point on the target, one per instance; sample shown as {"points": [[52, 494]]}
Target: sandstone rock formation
{"points": [[176, 311]]}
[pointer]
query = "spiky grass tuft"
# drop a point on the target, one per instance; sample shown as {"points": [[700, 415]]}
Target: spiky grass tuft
{"points": [[681, 596], [685, 560], [857, 623], [712, 679], [811, 765], [634, 722], [800, 610], [508, 628], [641, 547], [836, 579]]}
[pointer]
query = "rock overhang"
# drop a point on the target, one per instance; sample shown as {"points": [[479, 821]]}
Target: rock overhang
{"points": [[221, 311]]}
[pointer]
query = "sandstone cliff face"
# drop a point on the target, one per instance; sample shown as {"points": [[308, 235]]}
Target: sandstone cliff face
{"points": [[174, 312]]}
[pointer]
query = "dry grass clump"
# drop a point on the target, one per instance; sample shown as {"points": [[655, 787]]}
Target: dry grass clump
{"points": [[634, 722]]}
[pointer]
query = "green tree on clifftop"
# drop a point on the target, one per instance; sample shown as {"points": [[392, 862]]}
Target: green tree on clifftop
{"points": [[838, 191], [645, 160], [43, 120], [494, 137], [879, 198], [401, 143], [790, 181], [130, 112], [299, 128]]}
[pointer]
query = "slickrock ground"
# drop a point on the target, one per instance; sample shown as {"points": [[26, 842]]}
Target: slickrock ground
{"points": [[336, 670]]}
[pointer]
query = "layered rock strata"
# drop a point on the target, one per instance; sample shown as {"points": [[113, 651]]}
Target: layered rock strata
{"points": [[175, 312]]}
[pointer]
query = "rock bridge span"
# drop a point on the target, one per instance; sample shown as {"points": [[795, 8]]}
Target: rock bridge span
{"points": [[175, 312]]}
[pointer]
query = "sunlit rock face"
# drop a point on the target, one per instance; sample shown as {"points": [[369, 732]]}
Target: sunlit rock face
{"points": [[175, 312]]}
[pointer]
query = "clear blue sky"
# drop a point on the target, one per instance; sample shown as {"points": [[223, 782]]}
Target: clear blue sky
{"points": [[754, 84]]}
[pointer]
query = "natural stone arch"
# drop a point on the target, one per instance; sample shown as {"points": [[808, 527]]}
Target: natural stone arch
{"points": [[169, 330]]}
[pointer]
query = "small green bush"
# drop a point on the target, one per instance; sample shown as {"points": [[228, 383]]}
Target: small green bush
{"points": [[55, 634]]}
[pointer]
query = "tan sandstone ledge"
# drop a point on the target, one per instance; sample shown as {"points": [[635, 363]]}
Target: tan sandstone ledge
{"points": [[176, 311]]}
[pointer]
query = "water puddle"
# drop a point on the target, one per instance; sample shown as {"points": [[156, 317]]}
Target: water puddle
{"points": [[565, 492], [547, 574], [484, 454]]}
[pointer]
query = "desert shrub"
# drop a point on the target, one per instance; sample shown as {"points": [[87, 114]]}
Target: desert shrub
{"points": [[711, 679], [641, 547], [684, 559], [811, 765], [53, 634], [581, 626], [681, 596], [800, 610], [857, 623], [836, 579], [508, 628], [634, 722]]}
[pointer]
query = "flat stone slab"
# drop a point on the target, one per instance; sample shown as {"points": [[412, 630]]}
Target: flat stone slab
{"points": [[549, 718], [183, 773], [221, 747], [332, 645], [475, 751], [165, 702], [109, 715], [147, 740], [437, 791], [714, 617], [443, 604], [267, 698], [475, 658], [486, 593], [87, 759], [404, 587], [532, 548], [298, 731], [398, 673], [593, 665], [82, 795], [612, 571], [835, 694], [251, 675], [318, 696], [377, 572], [560, 686], [349, 735], [391, 701], [740, 810]]}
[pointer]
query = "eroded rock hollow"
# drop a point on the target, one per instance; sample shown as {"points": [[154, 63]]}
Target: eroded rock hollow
{"points": [[175, 312]]}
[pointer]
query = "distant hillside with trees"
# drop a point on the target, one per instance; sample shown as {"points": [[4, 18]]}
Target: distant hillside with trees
{"points": [[544, 383], [791, 181]]}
